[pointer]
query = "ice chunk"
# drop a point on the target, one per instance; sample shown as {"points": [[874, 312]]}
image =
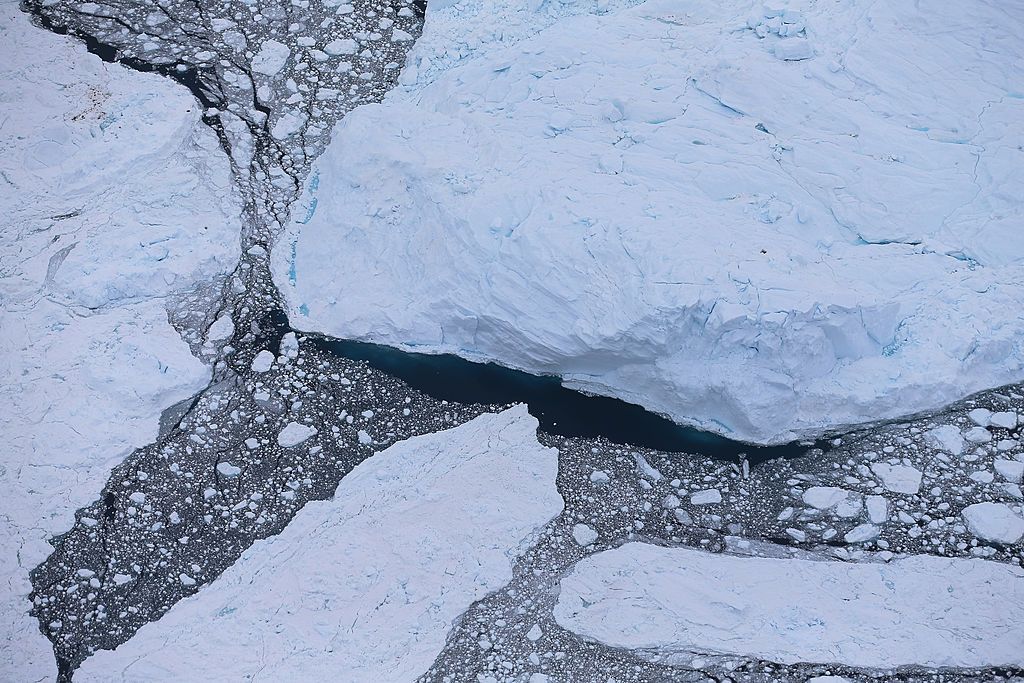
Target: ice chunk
{"points": [[341, 46], [583, 534], [226, 469], [1010, 470], [290, 345], [994, 522], [646, 469], [898, 478], [271, 58], [878, 509], [825, 497], [667, 603], [947, 438], [980, 416], [221, 329], [706, 497], [861, 533], [263, 361], [1005, 419], [978, 435], [295, 433]]}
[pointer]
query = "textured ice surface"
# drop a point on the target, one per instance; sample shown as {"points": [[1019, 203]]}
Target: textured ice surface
{"points": [[115, 197], [367, 585], [765, 226], [679, 602]]}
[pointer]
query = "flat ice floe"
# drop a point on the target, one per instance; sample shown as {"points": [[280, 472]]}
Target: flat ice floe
{"points": [[681, 603], [766, 224], [367, 585]]}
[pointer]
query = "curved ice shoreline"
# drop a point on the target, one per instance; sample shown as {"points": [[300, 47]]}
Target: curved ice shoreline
{"points": [[617, 201]]}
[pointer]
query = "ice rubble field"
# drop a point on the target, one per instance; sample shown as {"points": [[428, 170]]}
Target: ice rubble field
{"points": [[678, 602], [116, 196], [759, 222], [370, 582]]}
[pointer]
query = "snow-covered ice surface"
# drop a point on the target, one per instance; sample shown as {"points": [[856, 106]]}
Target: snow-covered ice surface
{"points": [[763, 223], [115, 200], [682, 603], [364, 586]]}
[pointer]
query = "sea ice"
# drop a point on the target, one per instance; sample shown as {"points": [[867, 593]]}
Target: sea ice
{"points": [[116, 199], [583, 534], [294, 433], [271, 58], [898, 478]]}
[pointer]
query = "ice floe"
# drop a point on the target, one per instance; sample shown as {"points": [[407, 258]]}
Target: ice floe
{"points": [[116, 199], [370, 582], [681, 604]]}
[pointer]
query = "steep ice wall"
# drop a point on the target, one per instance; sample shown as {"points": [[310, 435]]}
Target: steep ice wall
{"points": [[363, 587], [114, 198], [763, 223]]}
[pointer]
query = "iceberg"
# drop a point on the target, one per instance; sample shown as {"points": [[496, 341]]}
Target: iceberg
{"points": [[746, 221]]}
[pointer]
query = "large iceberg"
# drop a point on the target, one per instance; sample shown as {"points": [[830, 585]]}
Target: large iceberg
{"points": [[765, 223]]}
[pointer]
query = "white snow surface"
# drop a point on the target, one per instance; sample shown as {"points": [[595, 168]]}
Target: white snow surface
{"points": [[669, 204], [678, 602], [368, 584], [115, 197]]}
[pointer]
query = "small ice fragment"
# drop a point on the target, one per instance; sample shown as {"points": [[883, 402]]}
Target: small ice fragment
{"points": [[994, 522], [706, 497], [861, 533], [226, 469], [294, 433], [263, 361], [898, 478], [583, 534]]}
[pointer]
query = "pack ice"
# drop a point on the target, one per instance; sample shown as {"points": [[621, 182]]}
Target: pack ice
{"points": [[765, 223], [680, 603], [369, 583]]}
